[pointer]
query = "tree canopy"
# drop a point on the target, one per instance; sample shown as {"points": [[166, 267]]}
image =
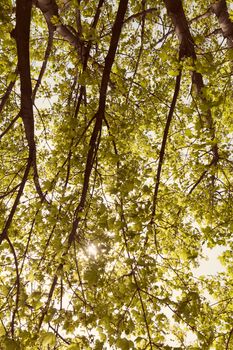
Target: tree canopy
{"points": [[116, 174]]}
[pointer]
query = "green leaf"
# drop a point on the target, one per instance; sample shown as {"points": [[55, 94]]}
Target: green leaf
{"points": [[123, 344], [73, 347], [48, 339], [10, 344], [2, 330], [173, 73]]}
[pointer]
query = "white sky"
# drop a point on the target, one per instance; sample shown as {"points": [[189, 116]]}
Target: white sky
{"points": [[211, 264]]}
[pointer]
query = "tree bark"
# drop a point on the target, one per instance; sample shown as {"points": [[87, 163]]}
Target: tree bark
{"points": [[22, 33], [187, 49], [50, 9], [221, 12]]}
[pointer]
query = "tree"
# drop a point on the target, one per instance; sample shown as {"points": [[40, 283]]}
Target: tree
{"points": [[116, 173]]}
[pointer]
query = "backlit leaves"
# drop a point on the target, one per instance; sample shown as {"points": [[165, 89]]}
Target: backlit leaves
{"points": [[125, 280]]}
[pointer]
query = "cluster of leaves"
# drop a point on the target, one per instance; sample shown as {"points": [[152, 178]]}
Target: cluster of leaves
{"points": [[101, 237]]}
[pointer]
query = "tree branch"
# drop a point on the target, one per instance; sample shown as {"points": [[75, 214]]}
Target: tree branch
{"points": [[17, 286], [141, 14], [9, 192], [220, 10], [42, 71], [95, 137], [22, 32], [187, 49], [44, 64], [22, 35], [163, 145], [16, 202], [49, 9], [8, 91], [229, 339]]}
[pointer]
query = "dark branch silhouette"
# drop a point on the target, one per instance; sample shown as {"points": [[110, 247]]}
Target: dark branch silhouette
{"points": [[221, 12]]}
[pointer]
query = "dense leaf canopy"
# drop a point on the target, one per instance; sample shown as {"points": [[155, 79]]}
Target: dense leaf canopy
{"points": [[116, 174]]}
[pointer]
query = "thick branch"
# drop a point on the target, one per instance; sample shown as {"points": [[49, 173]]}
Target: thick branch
{"points": [[221, 12], [22, 32], [187, 49], [42, 71], [176, 12], [23, 19], [22, 35]]}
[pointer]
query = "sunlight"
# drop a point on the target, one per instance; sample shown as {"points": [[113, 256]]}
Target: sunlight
{"points": [[92, 250]]}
